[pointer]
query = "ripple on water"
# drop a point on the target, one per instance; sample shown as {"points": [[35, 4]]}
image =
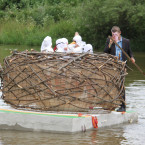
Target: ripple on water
{"points": [[135, 96]]}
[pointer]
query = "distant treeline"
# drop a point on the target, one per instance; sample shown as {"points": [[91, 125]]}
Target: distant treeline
{"points": [[27, 22]]}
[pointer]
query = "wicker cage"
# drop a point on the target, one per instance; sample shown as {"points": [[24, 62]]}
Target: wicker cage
{"points": [[63, 82]]}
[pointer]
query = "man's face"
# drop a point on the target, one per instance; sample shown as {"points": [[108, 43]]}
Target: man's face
{"points": [[116, 35]]}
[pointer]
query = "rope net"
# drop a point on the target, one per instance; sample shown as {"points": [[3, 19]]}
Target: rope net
{"points": [[63, 82]]}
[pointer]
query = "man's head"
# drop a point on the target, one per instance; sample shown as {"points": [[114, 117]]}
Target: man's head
{"points": [[116, 33], [115, 29]]}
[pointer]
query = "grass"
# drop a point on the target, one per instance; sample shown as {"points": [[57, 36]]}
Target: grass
{"points": [[13, 32], [28, 33]]}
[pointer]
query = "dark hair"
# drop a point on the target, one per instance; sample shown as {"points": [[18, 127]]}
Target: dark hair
{"points": [[115, 29]]}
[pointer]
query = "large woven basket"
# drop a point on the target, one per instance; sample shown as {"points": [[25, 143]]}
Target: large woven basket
{"points": [[63, 82]]}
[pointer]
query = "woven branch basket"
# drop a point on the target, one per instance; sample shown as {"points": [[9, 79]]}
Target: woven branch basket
{"points": [[63, 82]]}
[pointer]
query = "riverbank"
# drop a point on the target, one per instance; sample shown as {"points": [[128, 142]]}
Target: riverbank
{"points": [[17, 33], [27, 22]]}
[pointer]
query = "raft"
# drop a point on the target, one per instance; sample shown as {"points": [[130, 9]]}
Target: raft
{"points": [[63, 82]]}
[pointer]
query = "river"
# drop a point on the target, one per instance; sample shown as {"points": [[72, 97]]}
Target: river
{"points": [[126, 134]]}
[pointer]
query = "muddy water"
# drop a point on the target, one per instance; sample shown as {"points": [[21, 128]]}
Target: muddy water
{"points": [[128, 134]]}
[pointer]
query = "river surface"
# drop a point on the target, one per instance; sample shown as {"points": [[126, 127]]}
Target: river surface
{"points": [[126, 134]]}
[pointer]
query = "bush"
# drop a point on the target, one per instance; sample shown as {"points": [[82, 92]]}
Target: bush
{"points": [[29, 21], [13, 32], [62, 29], [95, 26]]}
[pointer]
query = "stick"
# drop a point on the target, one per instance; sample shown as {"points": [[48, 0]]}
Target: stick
{"points": [[105, 63], [128, 56], [73, 60]]}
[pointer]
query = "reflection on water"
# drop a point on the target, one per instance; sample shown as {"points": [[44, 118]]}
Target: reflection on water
{"points": [[135, 133], [128, 134], [104, 137]]}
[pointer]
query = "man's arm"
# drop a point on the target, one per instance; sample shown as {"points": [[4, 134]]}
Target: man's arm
{"points": [[130, 52], [107, 48]]}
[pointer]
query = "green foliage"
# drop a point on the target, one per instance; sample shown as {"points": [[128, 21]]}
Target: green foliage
{"points": [[63, 29], [129, 15], [39, 10], [29, 21], [14, 32]]}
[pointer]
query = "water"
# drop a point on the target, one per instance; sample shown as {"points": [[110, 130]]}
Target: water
{"points": [[127, 134]]}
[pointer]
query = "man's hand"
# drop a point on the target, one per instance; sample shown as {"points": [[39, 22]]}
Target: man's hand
{"points": [[114, 37], [110, 43], [132, 60]]}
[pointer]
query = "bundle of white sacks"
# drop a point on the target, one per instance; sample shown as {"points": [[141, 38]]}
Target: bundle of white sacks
{"points": [[77, 46], [46, 45]]}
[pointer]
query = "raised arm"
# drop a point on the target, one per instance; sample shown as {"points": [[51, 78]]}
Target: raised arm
{"points": [[107, 48]]}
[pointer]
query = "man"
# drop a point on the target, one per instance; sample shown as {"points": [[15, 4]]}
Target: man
{"points": [[111, 48], [124, 43]]}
